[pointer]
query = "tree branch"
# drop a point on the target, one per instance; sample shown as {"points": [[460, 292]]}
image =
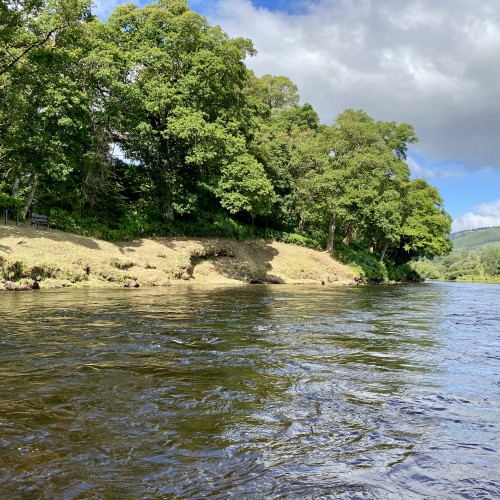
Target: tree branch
{"points": [[30, 48]]}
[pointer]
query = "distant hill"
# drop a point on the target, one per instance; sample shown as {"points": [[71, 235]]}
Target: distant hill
{"points": [[475, 239]]}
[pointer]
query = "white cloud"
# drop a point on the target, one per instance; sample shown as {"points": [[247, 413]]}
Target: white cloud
{"points": [[432, 171], [484, 215]]}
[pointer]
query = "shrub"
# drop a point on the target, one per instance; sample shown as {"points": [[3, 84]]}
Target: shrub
{"points": [[8, 202], [367, 265]]}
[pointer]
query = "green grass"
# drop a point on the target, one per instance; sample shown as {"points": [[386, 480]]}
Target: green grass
{"points": [[476, 239]]}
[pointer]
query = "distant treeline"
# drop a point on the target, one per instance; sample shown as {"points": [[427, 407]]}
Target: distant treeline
{"points": [[151, 124], [466, 265]]}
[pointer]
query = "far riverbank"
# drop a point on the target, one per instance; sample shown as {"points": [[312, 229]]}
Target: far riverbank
{"points": [[32, 258]]}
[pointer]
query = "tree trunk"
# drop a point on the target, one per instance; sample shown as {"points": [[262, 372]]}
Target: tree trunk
{"points": [[349, 232], [165, 194], [347, 236], [31, 196], [15, 187], [382, 253], [167, 206], [169, 213], [331, 234]]}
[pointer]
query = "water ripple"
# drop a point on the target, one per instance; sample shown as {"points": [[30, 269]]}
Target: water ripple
{"points": [[254, 392]]}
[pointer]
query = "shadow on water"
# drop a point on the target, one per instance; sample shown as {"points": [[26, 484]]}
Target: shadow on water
{"points": [[259, 392]]}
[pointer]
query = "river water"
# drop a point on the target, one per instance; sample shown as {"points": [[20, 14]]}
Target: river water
{"points": [[251, 392]]}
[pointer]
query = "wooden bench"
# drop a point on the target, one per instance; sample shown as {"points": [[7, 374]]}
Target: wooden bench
{"points": [[39, 220]]}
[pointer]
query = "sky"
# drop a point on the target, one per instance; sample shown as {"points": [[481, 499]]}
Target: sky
{"points": [[433, 64]]}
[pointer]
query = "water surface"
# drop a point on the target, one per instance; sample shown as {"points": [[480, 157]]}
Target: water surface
{"points": [[251, 392]]}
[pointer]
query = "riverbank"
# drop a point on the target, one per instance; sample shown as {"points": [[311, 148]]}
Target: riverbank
{"points": [[32, 258], [474, 279]]}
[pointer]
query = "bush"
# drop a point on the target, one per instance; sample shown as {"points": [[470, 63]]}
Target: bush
{"points": [[426, 269], [8, 202], [294, 238], [367, 265], [403, 273], [139, 225]]}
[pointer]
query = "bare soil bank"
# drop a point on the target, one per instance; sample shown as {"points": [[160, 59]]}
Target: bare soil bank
{"points": [[32, 258]]}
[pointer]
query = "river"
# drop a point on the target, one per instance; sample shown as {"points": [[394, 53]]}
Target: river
{"points": [[251, 392]]}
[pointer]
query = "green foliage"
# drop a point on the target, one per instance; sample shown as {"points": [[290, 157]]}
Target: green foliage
{"points": [[295, 239], [372, 270], [471, 263], [405, 273], [10, 202], [244, 187], [360, 188], [28, 26], [490, 259], [476, 256], [426, 224], [427, 269], [483, 264], [366, 264], [467, 263], [278, 92], [205, 146], [476, 238], [178, 88]]}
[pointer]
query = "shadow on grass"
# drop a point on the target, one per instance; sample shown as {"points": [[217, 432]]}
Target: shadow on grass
{"points": [[250, 262], [247, 261], [25, 231]]}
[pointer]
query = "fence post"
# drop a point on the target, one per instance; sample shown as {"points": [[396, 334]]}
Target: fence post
{"points": [[6, 212], [17, 217]]}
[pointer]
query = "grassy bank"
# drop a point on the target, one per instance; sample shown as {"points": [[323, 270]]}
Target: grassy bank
{"points": [[48, 259], [478, 279]]}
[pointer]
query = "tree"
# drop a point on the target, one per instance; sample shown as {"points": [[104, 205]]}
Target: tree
{"points": [[244, 187], [28, 25], [425, 223], [289, 143], [42, 112], [490, 258], [358, 191], [278, 92], [182, 109], [323, 200]]}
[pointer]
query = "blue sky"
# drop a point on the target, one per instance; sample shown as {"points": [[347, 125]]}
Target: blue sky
{"points": [[435, 65], [292, 7]]}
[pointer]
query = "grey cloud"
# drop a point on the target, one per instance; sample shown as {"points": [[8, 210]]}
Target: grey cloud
{"points": [[433, 64]]}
